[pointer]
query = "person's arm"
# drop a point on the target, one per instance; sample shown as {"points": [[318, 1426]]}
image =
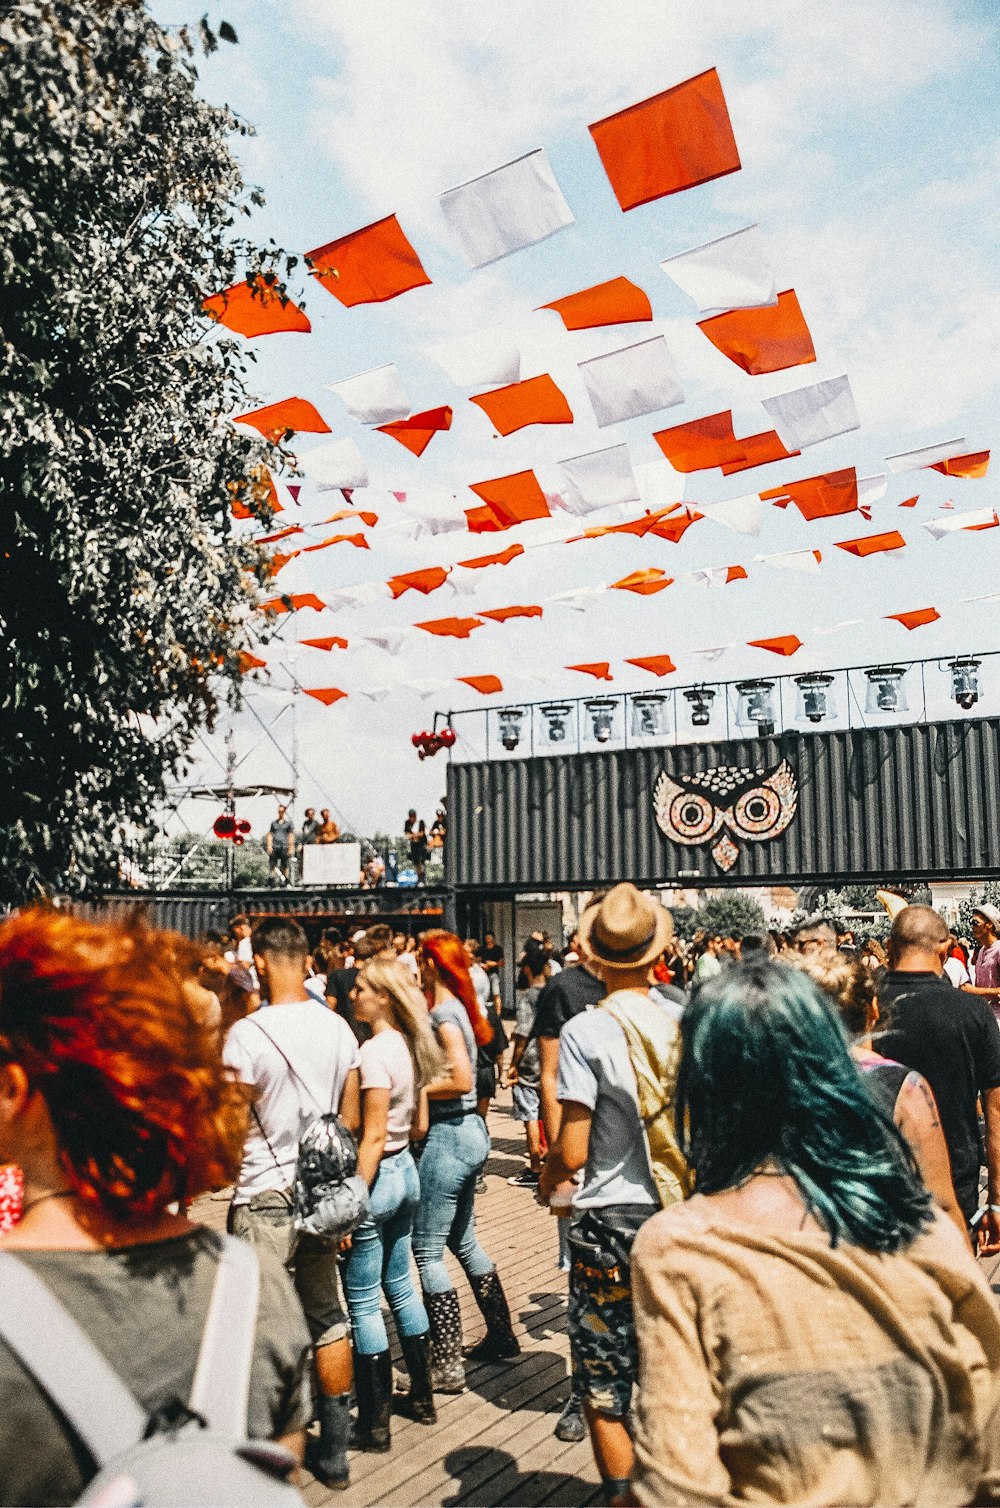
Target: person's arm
{"points": [[918, 1121], [374, 1130], [520, 1043], [421, 1117], [569, 1154], [551, 1110], [349, 1108], [268, 844], [989, 1229], [457, 1077]]}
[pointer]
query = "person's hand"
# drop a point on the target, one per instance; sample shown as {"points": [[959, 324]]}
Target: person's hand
{"points": [[988, 1234], [513, 1077], [344, 1245], [545, 1184]]}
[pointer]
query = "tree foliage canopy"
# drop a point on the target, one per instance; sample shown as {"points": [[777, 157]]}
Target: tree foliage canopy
{"points": [[124, 597]]}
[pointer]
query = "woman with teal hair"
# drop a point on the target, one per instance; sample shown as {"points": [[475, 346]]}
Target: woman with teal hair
{"points": [[810, 1329]]}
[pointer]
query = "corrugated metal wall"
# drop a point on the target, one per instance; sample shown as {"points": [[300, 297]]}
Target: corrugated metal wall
{"points": [[194, 914], [913, 800]]}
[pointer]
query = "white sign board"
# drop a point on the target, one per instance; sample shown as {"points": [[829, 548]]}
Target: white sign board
{"points": [[331, 864]]}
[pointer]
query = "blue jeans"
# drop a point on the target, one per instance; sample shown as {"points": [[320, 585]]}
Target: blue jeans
{"points": [[379, 1259], [453, 1157]]}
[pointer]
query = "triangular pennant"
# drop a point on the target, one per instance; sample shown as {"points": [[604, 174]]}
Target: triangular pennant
{"points": [[656, 664], [502, 614], [290, 416], [976, 465], [248, 662], [786, 644], [671, 142], [325, 694], [255, 307], [873, 544], [332, 641], [509, 500], [911, 502], [601, 671], [417, 432], [502, 211], [486, 685], [638, 379], [450, 628], [618, 302], [644, 583], [502, 557], [763, 340], [916, 619], [369, 265], [732, 272], [537, 400]]}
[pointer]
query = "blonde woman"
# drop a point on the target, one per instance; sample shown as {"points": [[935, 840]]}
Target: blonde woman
{"points": [[398, 1061]]}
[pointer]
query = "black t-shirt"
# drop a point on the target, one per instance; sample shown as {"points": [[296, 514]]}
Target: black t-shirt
{"points": [[339, 984], [491, 958], [950, 1037], [572, 990]]}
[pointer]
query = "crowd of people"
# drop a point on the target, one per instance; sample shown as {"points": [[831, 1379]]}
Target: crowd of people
{"points": [[767, 1182], [285, 847]]}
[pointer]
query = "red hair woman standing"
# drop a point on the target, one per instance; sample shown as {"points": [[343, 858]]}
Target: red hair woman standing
{"points": [[454, 1154], [115, 1104]]}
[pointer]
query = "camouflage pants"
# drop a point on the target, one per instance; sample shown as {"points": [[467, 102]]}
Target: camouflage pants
{"points": [[600, 1318]]}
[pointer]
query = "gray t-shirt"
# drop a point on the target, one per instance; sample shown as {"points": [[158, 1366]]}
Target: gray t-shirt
{"points": [[144, 1307], [454, 1012], [530, 1068], [595, 1070]]}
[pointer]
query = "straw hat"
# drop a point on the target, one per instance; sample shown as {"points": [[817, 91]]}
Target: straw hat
{"points": [[628, 929], [990, 913]]}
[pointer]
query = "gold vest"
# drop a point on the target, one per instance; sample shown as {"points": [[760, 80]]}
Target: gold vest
{"points": [[654, 1048]]}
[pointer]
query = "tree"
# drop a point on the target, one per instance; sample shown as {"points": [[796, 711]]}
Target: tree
{"points": [[125, 599], [731, 914]]}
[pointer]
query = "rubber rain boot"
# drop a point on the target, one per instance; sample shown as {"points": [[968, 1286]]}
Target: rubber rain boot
{"points": [[418, 1402], [326, 1457], [500, 1343], [373, 1393], [448, 1370]]}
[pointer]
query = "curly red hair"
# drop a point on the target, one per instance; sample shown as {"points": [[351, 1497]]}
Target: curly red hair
{"points": [[143, 1109], [452, 964]]}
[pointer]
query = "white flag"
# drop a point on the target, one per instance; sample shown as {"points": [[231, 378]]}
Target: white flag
{"points": [[599, 479], [836, 628], [486, 358], [731, 273], [710, 576], [579, 599], [362, 595], [636, 380], [334, 466], [744, 514], [871, 489], [390, 641], [375, 397], [806, 561], [980, 518], [659, 484], [503, 210], [929, 455], [811, 414], [711, 654], [434, 513]]}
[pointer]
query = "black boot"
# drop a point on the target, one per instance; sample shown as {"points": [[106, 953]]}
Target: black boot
{"points": [[326, 1457], [373, 1392], [500, 1342], [418, 1403], [448, 1371]]}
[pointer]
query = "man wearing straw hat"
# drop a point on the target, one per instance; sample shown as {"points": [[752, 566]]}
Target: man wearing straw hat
{"points": [[616, 1080]]}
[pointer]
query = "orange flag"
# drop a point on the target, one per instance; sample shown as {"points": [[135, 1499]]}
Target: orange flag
{"points": [[968, 466], [368, 266], [290, 416], [644, 524], [333, 642], [916, 619], [272, 539], [670, 142], [371, 519], [759, 450], [873, 544], [911, 502], [450, 628], [278, 562], [260, 487], [825, 496], [250, 662], [290, 604], [486, 685], [503, 557], [325, 694], [701, 444], [255, 308], [509, 500], [619, 302], [501, 614], [644, 583], [425, 581], [675, 527], [417, 432], [655, 664], [535, 401], [787, 644], [769, 339], [357, 540], [601, 671]]}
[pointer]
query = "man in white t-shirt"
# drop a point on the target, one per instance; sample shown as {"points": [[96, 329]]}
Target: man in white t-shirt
{"points": [[302, 1061]]}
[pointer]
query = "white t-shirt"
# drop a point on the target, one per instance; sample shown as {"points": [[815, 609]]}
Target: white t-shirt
{"points": [[321, 1048], [481, 984], [409, 961], [957, 972], [386, 1064]]}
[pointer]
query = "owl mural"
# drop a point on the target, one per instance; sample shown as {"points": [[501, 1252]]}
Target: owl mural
{"points": [[755, 805]]}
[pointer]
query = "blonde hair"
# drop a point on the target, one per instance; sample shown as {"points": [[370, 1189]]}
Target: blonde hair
{"points": [[849, 984], [409, 1014]]}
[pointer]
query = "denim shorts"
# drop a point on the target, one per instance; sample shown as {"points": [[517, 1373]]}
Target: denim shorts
{"points": [[525, 1102]]}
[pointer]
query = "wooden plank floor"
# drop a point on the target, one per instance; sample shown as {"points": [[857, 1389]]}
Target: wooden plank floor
{"points": [[493, 1444]]}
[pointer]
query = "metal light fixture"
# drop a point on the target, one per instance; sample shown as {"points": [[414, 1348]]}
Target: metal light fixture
{"points": [[815, 697], [649, 714], [886, 690], [557, 716], [510, 727], [700, 699], [756, 709], [601, 710], [965, 681]]}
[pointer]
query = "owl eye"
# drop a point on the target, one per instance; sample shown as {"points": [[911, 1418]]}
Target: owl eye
{"points": [[691, 815], [757, 811]]}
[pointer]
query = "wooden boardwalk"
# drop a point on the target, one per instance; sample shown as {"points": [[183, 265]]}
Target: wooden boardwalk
{"points": [[493, 1444]]}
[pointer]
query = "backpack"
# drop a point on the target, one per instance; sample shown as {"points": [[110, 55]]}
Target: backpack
{"points": [[182, 1456], [329, 1198]]}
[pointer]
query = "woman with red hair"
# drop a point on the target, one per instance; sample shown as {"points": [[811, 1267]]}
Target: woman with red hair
{"points": [[115, 1105], [454, 1154]]}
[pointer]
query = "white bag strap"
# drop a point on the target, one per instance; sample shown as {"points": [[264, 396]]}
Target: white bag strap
{"points": [[221, 1388]]}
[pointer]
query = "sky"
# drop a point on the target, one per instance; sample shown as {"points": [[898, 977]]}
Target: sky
{"points": [[870, 162]]}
